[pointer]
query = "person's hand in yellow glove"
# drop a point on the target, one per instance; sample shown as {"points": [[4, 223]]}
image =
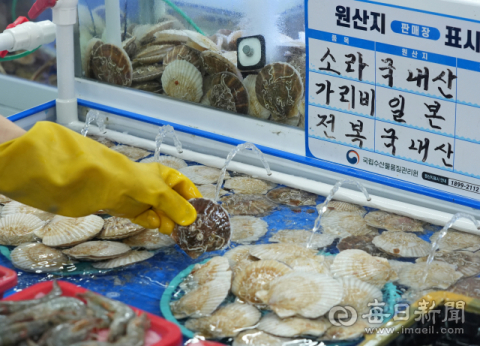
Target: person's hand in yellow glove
{"points": [[57, 170]]}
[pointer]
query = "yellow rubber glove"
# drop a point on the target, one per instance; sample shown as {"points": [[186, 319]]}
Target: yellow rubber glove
{"points": [[57, 170]]}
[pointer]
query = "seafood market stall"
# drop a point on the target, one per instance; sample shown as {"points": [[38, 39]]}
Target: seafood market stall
{"points": [[340, 213]]}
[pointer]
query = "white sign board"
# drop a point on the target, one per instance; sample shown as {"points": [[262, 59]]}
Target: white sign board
{"points": [[394, 89]]}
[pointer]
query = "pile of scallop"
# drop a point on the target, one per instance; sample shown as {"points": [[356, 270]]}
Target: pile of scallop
{"points": [[165, 58]]}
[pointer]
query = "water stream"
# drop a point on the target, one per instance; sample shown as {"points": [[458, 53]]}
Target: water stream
{"points": [[162, 133], [99, 118], [322, 208], [231, 155]]}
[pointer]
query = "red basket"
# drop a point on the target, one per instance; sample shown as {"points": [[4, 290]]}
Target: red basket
{"points": [[169, 332], [8, 280]]}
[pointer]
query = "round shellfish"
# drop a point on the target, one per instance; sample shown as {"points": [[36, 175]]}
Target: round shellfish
{"points": [[214, 63], [227, 92], [119, 228], [292, 197], [339, 206], [200, 42], [16, 229], [211, 230], [186, 53], [358, 294], [216, 267], [149, 239], [146, 73], [454, 240], [247, 185], [182, 80], [421, 276], [238, 254], [344, 224], [36, 257], [316, 265], [255, 109], [247, 229], [402, 244], [208, 191], [169, 161], [97, 250], [362, 242], [66, 231], [393, 222], [112, 64], [202, 174], [280, 252], [466, 262], [302, 238], [293, 326], [127, 259], [257, 337], [15, 207], [132, 153], [240, 204]]}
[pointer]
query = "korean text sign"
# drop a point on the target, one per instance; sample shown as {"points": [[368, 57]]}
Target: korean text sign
{"points": [[394, 90]]}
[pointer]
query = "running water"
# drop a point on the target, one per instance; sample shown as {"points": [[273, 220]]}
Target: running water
{"points": [[230, 157], [162, 133], [322, 208], [442, 235], [92, 116]]}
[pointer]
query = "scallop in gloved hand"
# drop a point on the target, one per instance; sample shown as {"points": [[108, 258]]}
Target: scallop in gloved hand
{"points": [[211, 230]]}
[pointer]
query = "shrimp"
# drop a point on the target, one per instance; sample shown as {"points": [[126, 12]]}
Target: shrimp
{"points": [[136, 330], [9, 307], [122, 314], [69, 333], [18, 332], [102, 315]]}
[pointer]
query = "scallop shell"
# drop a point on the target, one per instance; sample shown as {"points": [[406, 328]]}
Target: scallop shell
{"points": [[146, 33], [397, 266], [468, 286], [339, 206], [301, 112], [214, 63], [149, 239], [202, 174], [237, 254], [185, 53], [208, 191], [352, 332], [358, 294], [219, 40], [293, 326], [211, 230], [292, 197], [255, 109], [228, 321], [454, 240], [111, 64], [130, 46], [15, 207], [402, 244], [147, 73], [302, 238], [97, 250], [299, 62], [215, 267], [228, 93], [90, 49], [153, 87], [200, 42], [359, 264], [202, 301], [279, 89], [129, 258], [169, 161], [175, 37], [392, 222], [466, 262], [132, 153], [316, 265], [248, 185], [4, 199], [255, 205], [256, 337], [362, 242], [36, 257], [257, 277], [102, 140], [247, 229], [302, 294], [119, 228], [152, 54], [345, 224], [438, 275], [232, 39], [280, 252], [16, 229], [183, 81], [66, 231]]}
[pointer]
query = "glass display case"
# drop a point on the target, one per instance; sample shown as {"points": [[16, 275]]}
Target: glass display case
{"points": [[198, 51]]}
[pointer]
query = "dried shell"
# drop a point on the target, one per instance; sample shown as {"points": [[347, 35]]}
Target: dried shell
{"points": [[90, 49], [200, 42], [468, 286], [119, 228], [247, 229], [150, 239], [211, 230], [279, 89], [16, 229], [355, 331], [129, 258], [338, 206], [228, 93], [345, 224], [36, 257], [316, 294], [402, 244], [228, 321], [202, 301], [438, 275], [15, 207], [208, 191], [153, 87], [466, 263], [132, 153], [174, 37], [239, 204], [66, 231], [257, 277], [358, 294], [256, 337], [362, 242], [185, 53], [152, 54], [316, 265], [392, 222], [293, 326], [359, 264], [97, 250], [202, 174], [214, 63], [255, 109], [248, 185], [183, 81], [280, 252], [292, 197], [454, 240], [147, 73], [169, 161], [237, 254], [302, 238], [111, 64]]}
